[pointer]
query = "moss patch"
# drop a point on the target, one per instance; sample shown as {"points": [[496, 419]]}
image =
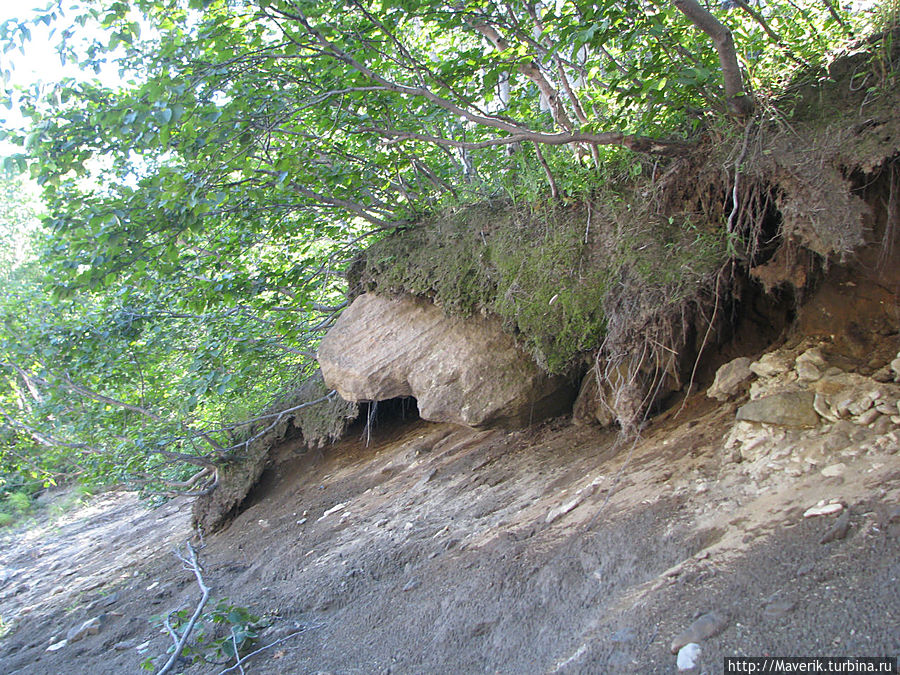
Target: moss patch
{"points": [[546, 272]]}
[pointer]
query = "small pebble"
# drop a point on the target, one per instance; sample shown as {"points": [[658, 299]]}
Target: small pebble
{"points": [[688, 660], [834, 470]]}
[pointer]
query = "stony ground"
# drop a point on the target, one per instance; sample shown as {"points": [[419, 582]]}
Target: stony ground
{"points": [[556, 549]]}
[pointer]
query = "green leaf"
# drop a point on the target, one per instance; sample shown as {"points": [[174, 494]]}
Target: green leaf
{"points": [[163, 116]]}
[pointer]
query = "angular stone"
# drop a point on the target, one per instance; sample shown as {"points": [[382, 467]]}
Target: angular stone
{"points": [[89, 627], [465, 371], [730, 378], [789, 408], [807, 371], [810, 365], [772, 364]]}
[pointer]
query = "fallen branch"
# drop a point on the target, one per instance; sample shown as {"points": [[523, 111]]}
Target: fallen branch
{"points": [[190, 563]]}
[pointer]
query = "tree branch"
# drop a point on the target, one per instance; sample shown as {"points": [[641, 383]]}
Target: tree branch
{"points": [[554, 191], [193, 565], [532, 71], [739, 102], [636, 143]]}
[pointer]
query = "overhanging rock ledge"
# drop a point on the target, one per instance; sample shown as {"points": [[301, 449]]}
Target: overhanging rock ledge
{"points": [[461, 370]]}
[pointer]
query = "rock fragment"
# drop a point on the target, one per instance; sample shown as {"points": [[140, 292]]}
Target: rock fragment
{"points": [[779, 608], [705, 627], [823, 510], [772, 364], [79, 632], [838, 530], [810, 365], [834, 470], [895, 366], [688, 660], [730, 378]]}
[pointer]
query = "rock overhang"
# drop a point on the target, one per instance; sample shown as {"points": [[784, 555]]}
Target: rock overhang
{"points": [[461, 370]]}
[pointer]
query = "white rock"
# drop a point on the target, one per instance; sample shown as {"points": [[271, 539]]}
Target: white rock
{"points": [[810, 365], [823, 408], [834, 470], [863, 402], [333, 509], [815, 356], [807, 372], [886, 407], [565, 508], [823, 510], [688, 657], [868, 417], [56, 646]]}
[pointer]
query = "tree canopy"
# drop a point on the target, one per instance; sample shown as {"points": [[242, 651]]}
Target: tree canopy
{"points": [[198, 216]]}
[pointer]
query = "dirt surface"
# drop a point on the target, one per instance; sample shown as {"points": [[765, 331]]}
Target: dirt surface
{"points": [[442, 549]]}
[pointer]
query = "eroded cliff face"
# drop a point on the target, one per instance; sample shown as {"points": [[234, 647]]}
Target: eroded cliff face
{"points": [[649, 287]]}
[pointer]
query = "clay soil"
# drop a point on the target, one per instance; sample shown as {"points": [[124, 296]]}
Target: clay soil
{"points": [[442, 558]]}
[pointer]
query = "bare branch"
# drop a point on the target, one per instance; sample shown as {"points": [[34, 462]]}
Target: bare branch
{"points": [[532, 71], [636, 143], [190, 563], [42, 437], [245, 658], [100, 398], [278, 417], [554, 191]]}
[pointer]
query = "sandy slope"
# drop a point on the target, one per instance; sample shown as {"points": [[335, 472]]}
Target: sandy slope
{"points": [[442, 558]]}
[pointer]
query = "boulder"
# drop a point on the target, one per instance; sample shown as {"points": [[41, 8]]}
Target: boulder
{"points": [[465, 371], [788, 408], [730, 378]]}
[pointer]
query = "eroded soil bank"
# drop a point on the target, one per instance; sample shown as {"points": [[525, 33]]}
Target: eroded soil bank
{"points": [[442, 549]]}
